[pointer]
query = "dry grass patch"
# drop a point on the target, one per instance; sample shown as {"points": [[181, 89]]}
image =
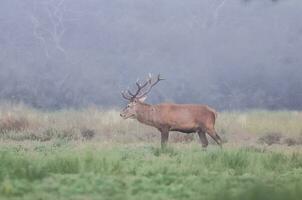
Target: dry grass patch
{"points": [[18, 122]]}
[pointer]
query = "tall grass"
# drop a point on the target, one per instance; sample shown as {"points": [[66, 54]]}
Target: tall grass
{"points": [[261, 121], [18, 122]]}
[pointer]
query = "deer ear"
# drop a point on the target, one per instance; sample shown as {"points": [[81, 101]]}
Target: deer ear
{"points": [[142, 99]]}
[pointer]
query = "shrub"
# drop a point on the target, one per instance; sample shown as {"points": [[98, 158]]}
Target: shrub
{"points": [[270, 138]]}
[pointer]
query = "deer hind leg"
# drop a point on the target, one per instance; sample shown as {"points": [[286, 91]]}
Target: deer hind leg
{"points": [[164, 137], [215, 136], [203, 139]]}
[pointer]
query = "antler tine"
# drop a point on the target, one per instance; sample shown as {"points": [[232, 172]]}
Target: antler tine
{"points": [[151, 84], [139, 88], [159, 78], [124, 95], [130, 93]]}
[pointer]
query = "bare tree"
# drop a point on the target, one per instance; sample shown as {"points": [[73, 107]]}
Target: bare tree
{"points": [[49, 29]]}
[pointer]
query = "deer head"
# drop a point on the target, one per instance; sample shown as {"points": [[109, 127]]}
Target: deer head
{"points": [[137, 98]]}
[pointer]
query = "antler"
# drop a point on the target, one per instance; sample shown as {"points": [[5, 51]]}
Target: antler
{"points": [[140, 87], [151, 85]]}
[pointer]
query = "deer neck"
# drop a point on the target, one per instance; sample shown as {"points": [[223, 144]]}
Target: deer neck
{"points": [[145, 114]]}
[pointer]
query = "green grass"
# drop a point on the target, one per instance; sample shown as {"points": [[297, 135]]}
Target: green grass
{"points": [[89, 171]]}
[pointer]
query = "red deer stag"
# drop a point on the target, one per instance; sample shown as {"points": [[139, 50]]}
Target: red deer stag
{"points": [[186, 118]]}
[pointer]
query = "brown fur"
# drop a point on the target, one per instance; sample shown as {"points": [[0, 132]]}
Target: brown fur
{"points": [[186, 118]]}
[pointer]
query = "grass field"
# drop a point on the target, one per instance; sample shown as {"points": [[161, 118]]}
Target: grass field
{"points": [[93, 154]]}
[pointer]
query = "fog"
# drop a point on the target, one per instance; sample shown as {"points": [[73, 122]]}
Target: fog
{"points": [[230, 54]]}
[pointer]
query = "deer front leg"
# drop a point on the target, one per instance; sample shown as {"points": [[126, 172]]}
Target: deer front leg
{"points": [[203, 139], [164, 137]]}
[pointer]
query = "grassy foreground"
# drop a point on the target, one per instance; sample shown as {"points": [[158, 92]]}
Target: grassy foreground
{"points": [[147, 172]]}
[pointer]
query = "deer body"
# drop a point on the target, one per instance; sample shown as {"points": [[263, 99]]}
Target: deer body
{"points": [[166, 117], [187, 118]]}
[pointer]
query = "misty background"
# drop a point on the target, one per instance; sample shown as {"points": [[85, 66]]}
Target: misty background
{"points": [[230, 54]]}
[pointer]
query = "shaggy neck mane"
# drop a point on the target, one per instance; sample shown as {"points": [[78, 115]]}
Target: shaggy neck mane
{"points": [[144, 113]]}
